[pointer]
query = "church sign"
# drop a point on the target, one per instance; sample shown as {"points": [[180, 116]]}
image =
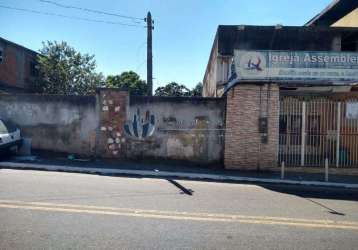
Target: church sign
{"points": [[294, 65]]}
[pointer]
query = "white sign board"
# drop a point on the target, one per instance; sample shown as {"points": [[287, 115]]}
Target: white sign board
{"points": [[295, 65]]}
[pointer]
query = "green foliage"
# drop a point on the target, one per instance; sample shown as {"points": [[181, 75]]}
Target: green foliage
{"points": [[175, 89], [197, 90], [172, 89], [65, 71], [128, 80]]}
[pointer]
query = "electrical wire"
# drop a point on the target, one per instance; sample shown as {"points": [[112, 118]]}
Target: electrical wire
{"points": [[90, 10], [71, 17]]}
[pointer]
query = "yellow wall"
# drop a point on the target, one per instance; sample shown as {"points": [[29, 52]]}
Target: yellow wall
{"points": [[350, 20]]}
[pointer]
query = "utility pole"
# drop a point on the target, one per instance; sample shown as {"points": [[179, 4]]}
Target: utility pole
{"points": [[149, 54]]}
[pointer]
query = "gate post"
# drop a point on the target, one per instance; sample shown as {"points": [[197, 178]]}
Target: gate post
{"points": [[242, 136], [303, 133], [338, 132], [113, 107]]}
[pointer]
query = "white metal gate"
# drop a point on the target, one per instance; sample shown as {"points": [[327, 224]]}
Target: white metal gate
{"points": [[320, 128]]}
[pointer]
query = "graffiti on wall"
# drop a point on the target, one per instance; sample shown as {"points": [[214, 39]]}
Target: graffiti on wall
{"points": [[140, 127]]}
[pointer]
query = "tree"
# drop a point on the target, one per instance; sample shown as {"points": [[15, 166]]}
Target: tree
{"points": [[197, 90], [128, 80], [173, 89], [63, 70]]}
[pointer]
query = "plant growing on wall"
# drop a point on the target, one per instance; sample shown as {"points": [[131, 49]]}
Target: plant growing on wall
{"points": [[65, 71]]}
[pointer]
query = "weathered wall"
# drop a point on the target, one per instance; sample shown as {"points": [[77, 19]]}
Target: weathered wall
{"points": [[56, 123], [172, 128], [139, 127], [112, 105], [291, 38], [114, 125], [15, 67], [243, 146], [184, 129], [209, 82]]}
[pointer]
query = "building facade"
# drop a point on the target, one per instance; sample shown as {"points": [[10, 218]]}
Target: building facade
{"points": [[18, 68], [290, 90], [231, 38]]}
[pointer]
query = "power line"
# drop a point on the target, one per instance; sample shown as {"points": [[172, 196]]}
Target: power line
{"points": [[71, 17], [140, 65], [140, 48], [90, 10]]}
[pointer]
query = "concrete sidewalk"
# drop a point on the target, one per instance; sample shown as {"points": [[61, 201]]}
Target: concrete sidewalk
{"points": [[183, 172]]}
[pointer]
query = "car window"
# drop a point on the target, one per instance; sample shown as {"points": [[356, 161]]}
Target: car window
{"points": [[7, 127]]}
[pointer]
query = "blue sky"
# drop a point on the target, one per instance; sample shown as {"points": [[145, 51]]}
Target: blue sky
{"points": [[182, 39]]}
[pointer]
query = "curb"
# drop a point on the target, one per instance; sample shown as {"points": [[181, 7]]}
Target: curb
{"points": [[194, 176]]}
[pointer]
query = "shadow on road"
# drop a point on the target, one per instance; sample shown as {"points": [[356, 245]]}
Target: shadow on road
{"points": [[181, 187], [307, 192], [311, 193]]}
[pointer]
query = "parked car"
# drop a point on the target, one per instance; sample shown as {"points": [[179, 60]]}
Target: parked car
{"points": [[10, 137]]}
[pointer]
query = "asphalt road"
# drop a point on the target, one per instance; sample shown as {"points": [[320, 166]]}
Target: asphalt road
{"points": [[48, 210]]}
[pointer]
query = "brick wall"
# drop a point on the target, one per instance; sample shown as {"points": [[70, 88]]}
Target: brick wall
{"points": [[112, 106], [9, 67], [243, 147], [15, 66]]}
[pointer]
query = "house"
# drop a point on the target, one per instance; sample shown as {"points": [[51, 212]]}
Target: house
{"points": [[18, 69]]}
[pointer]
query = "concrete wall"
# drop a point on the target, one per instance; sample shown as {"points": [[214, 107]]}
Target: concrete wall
{"points": [[188, 129], [169, 128], [64, 124], [114, 125], [243, 146], [210, 78]]}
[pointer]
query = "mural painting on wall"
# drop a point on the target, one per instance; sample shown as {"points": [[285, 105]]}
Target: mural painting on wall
{"points": [[139, 127]]}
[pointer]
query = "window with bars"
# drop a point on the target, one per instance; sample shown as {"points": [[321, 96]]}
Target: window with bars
{"points": [[34, 69]]}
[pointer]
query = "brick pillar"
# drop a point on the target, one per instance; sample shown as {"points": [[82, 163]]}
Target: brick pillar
{"points": [[243, 147], [113, 105]]}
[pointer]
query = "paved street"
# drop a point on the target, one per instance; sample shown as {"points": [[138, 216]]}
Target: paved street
{"points": [[49, 210]]}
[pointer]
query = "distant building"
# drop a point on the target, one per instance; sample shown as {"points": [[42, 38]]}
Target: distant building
{"points": [[18, 67], [340, 13]]}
